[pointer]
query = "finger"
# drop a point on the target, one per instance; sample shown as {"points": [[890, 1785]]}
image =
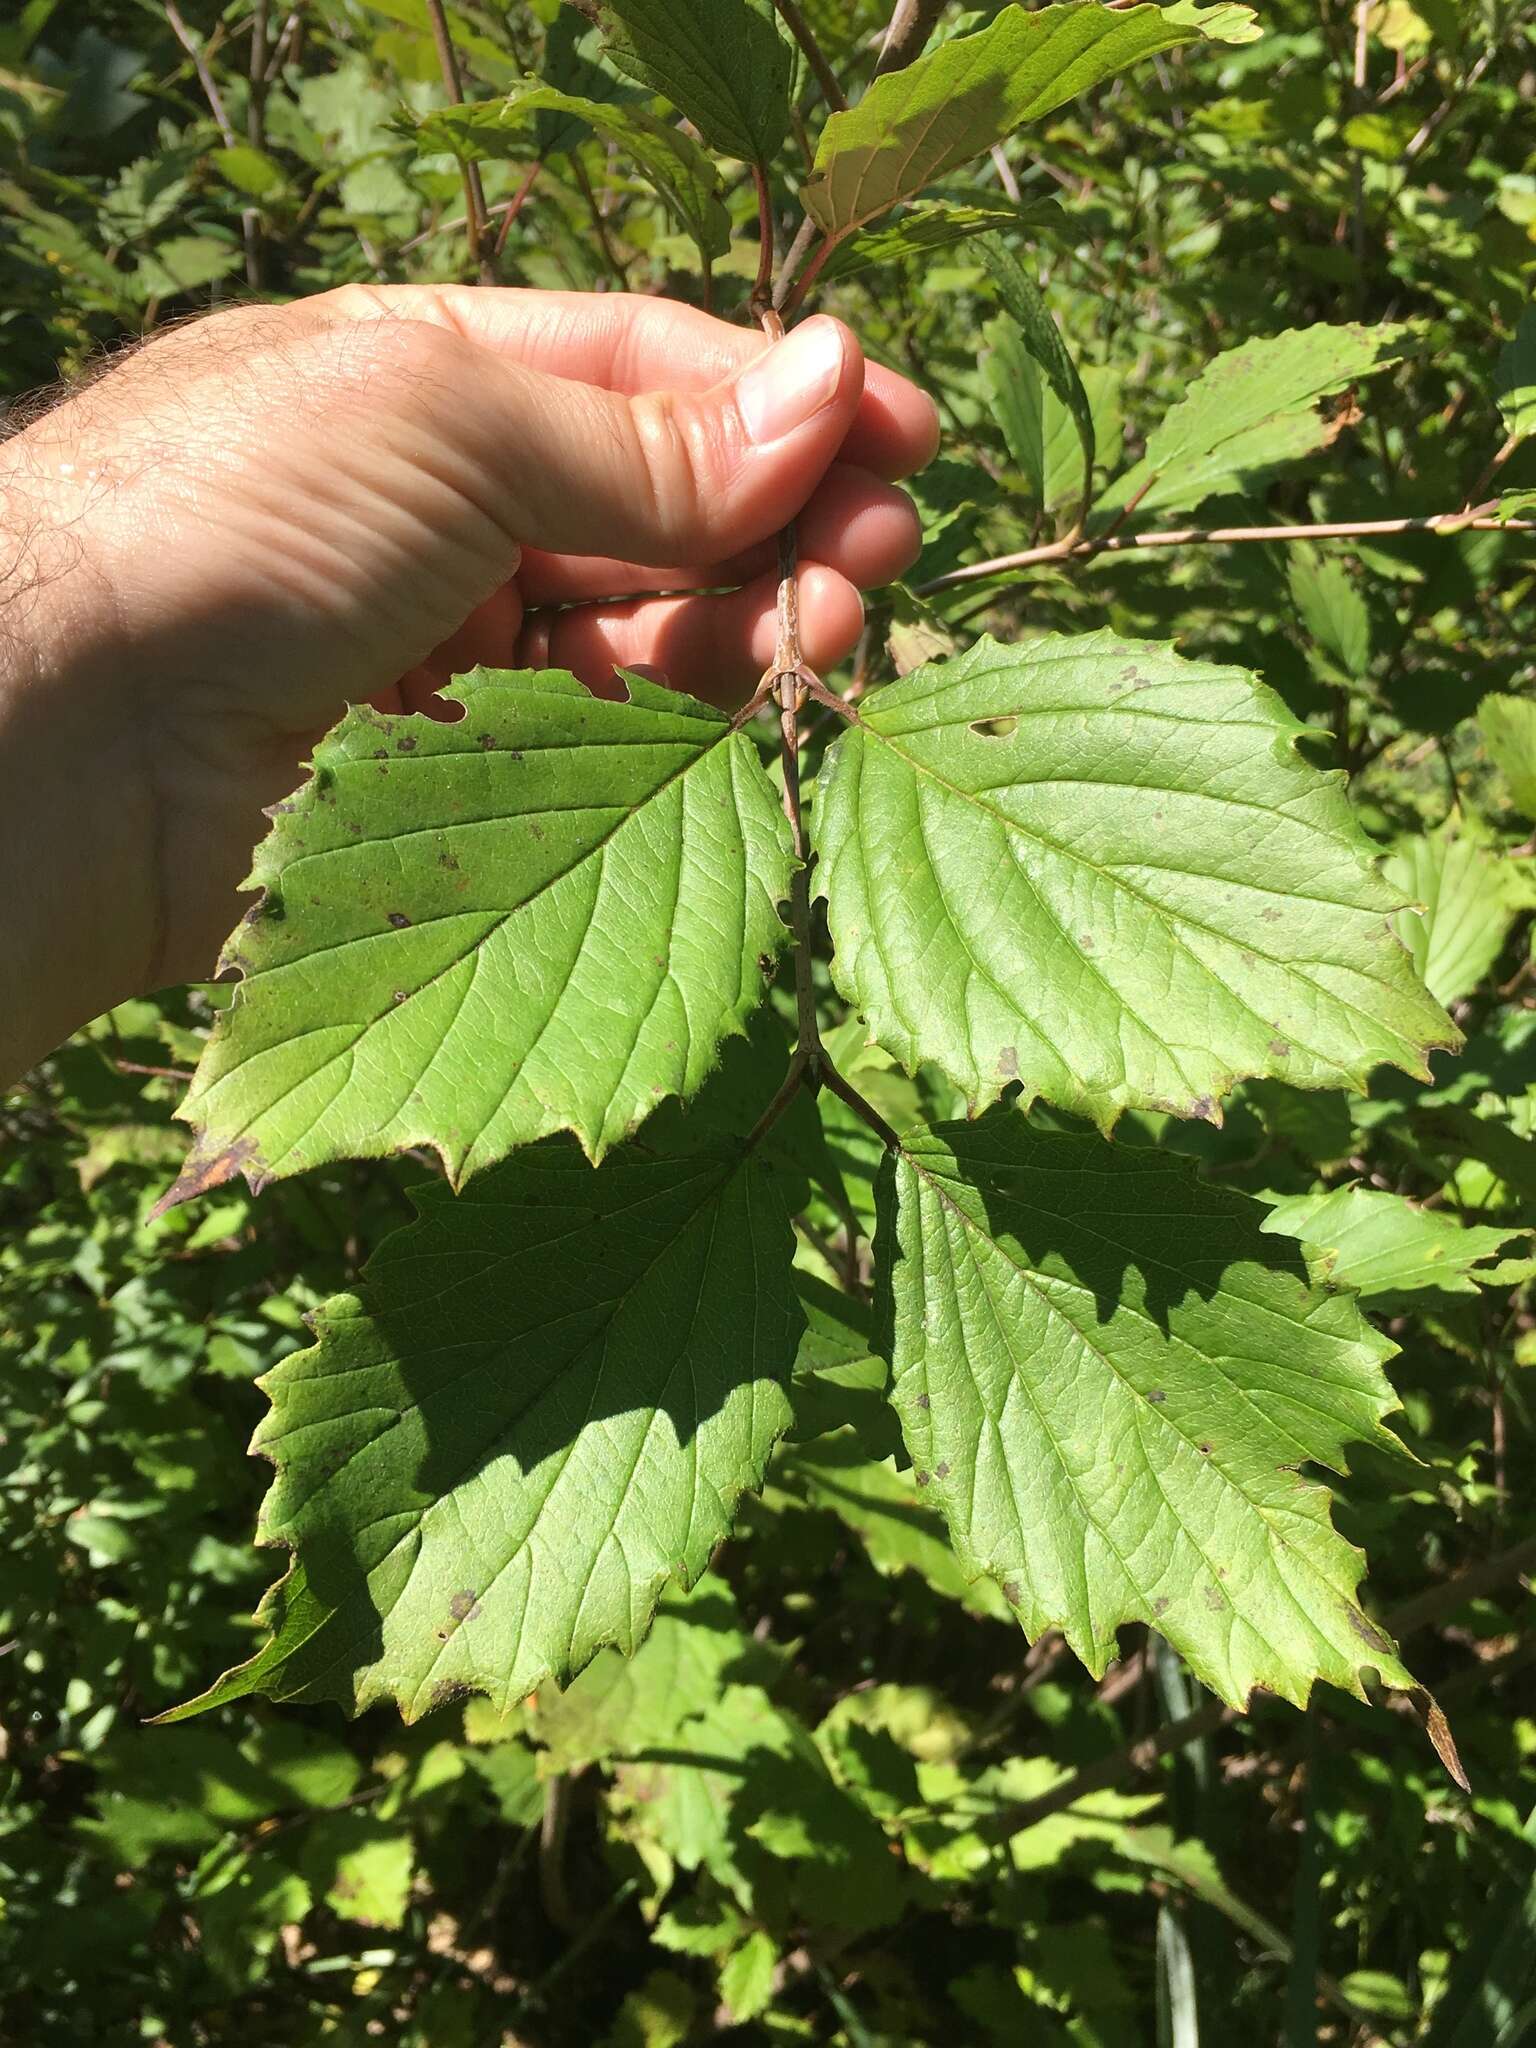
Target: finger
{"points": [[713, 647], [629, 343], [866, 530], [663, 477]]}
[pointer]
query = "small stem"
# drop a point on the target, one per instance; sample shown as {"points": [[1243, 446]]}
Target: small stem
{"points": [[514, 206], [815, 56], [1442, 523], [804, 236], [1497, 462], [812, 271], [762, 291], [474, 191]]}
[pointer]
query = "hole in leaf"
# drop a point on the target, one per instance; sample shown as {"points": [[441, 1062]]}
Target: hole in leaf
{"points": [[996, 728]]}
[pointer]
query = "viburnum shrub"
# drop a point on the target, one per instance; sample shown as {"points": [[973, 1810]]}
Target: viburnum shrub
{"points": [[704, 1014]]}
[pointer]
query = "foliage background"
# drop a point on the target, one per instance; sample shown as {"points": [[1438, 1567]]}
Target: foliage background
{"points": [[781, 1820]]}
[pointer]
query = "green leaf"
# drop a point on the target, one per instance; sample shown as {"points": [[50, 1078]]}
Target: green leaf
{"points": [[1041, 339], [1509, 733], [934, 224], [1174, 899], [1249, 411], [915, 126], [1331, 608], [1376, 1242], [1514, 379], [1110, 1387], [721, 63], [1469, 908], [1038, 428], [672, 161], [543, 1406], [746, 1978], [545, 917]]}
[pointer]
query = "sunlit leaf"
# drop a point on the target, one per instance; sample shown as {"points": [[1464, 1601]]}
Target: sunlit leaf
{"points": [[1248, 412], [1109, 1385], [915, 126], [1104, 872], [672, 161], [1469, 907], [1375, 1242], [544, 917]]}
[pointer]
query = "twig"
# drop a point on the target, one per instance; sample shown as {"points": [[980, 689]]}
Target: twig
{"points": [[205, 77], [812, 271], [1138, 1757], [910, 27], [805, 235], [250, 219], [815, 56], [554, 1894], [512, 207], [1441, 523], [474, 191], [762, 291]]}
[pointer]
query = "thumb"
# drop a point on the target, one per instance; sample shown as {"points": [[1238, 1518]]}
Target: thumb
{"points": [[667, 476]]}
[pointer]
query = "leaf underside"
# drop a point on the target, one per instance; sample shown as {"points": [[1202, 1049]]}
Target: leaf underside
{"points": [[541, 1409], [1104, 872], [1109, 1386], [917, 125], [545, 917]]}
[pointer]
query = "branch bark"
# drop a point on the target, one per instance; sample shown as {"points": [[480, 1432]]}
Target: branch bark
{"points": [[815, 56], [474, 190], [1479, 519], [910, 27]]}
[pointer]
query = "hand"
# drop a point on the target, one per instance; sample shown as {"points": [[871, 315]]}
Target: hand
{"points": [[275, 511]]}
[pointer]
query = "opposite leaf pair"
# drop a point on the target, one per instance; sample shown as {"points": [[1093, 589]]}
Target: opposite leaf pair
{"points": [[1087, 866]]}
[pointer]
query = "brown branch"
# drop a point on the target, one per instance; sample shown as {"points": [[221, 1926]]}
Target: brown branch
{"points": [[1441, 523], [1136, 1758], [910, 27], [250, 219], [784, 283], [815, 56], [474, 190], [762, 292]]}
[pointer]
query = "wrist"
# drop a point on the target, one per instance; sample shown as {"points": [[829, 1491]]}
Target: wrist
{"points": [[76, 830]]}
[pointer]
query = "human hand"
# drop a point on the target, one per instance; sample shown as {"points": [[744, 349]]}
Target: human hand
{"points": [[275, 511]]}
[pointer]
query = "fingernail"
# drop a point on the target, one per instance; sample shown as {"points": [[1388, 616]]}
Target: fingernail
{"points": [[792, 382]]}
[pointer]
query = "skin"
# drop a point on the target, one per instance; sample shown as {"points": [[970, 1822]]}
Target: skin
{"points": [[214, 547]]}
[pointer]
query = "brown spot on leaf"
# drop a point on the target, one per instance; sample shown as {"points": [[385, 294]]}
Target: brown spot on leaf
{"points": [[464, 1606], [1203, 1106], [923, 1401], [941, 1470], [765, 963], [446, 860], [1085, 940], [1204, 1450], [1271, 915], [407, 744], [1011, 1592], [1368, 1632], [922, 1478], [402, 995], [1280, 1048], [487, 740], [1161, 1604], [1008, 1063], [1214, 1598], [399, 920], [1157, 1397], [205, 1171]]}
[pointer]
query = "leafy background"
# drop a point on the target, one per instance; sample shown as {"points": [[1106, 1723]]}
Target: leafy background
{"points": [[832, 1798]]}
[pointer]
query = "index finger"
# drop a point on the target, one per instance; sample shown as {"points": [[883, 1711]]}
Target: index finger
{"points": [[628, 343]]}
